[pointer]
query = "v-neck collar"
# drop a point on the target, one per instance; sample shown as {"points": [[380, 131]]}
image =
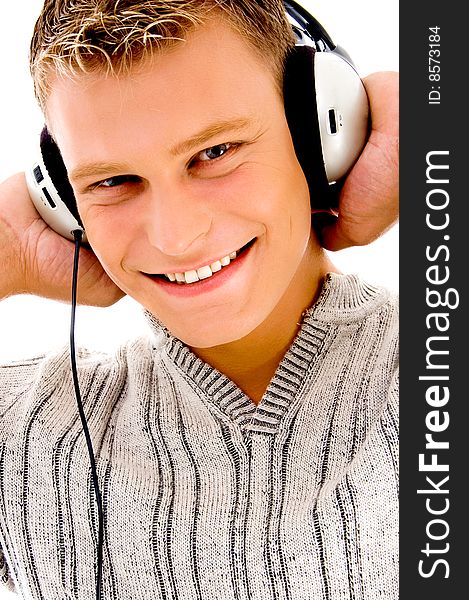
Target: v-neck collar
{"points": [[343, 298]]}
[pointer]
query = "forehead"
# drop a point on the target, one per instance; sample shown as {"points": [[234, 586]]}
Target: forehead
{"points": [[207, 51]]}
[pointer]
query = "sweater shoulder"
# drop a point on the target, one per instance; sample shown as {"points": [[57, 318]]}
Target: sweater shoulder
{"points": [[52, 373]]}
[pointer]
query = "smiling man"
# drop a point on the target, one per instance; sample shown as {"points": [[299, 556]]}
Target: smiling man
{"points": [[250, 449], [195, 204]]}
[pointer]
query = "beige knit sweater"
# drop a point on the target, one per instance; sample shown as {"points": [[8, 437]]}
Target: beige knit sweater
{"points": [[206, 495]]}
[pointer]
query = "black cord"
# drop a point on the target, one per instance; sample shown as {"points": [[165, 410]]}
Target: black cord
{"points": [[78, 234]]}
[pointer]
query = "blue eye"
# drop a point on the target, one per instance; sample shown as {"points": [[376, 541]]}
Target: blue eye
{"points": [[112, 182], [214, 152]]}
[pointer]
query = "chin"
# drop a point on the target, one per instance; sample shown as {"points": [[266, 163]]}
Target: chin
{"points": [[216, 333], [210, 339]]}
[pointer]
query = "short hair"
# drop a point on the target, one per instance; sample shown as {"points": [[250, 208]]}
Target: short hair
{"points": [[85, 36]]}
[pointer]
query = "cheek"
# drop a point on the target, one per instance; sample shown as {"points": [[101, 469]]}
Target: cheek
{"points": [[234, 192], [259, 190], [108, 233]]}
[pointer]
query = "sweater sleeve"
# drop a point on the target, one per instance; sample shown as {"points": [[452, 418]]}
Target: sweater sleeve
{"points": [[15, 382], [6, 582]]}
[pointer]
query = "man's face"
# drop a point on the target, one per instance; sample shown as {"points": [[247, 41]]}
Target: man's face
{"points": [[176, 166]]}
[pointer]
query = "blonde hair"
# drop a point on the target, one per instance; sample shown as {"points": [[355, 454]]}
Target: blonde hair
{"points": [[84, 36]]}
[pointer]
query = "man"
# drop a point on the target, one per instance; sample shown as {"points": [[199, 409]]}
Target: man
{"points": [[250, 452]]}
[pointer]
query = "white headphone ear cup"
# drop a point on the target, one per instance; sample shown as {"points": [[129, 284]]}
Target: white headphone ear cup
{"points": [[50, 191], [342, 109]]}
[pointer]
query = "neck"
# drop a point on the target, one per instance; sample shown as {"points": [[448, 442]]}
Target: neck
{"points": [[251, 361]]}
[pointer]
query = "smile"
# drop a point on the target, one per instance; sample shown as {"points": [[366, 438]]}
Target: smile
{"points": [[205, 271]]}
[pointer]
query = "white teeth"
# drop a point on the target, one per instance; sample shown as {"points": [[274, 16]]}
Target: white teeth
{"points": [[191, 276], [204, 272]]}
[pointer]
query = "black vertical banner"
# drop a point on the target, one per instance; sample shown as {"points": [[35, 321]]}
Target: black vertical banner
{"points": [[435, 318]]}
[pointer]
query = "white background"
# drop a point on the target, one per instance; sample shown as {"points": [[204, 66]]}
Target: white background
{"points": [[367, 29]]}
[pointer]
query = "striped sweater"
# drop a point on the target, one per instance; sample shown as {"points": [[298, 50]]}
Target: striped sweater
{"points": [[205, 494]]}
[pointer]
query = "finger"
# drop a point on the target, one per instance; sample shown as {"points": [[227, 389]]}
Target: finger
{"points": [[382, 89], [369, 204], [95, 288], [369, 200], [49, 259]]}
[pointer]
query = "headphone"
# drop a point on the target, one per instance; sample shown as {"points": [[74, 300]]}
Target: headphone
{"points": [[326, 108]]}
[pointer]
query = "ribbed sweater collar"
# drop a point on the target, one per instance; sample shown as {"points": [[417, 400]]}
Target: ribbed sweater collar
{"points": [[343, 299]]}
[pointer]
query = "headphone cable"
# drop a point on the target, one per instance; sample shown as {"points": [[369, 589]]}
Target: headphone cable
{"points": [[78, 235]]}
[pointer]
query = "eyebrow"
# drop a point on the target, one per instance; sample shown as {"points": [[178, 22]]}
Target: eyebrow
{"points": [[209, 132], [97, 169]]}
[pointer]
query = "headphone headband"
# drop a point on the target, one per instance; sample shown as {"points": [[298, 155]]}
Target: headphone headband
{"points": [[305, 25]]}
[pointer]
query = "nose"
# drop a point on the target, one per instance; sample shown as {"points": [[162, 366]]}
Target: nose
{"points": [[176, 220]]}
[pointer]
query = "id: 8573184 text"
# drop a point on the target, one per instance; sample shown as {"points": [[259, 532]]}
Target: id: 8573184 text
{"points": [[434, 66]]}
